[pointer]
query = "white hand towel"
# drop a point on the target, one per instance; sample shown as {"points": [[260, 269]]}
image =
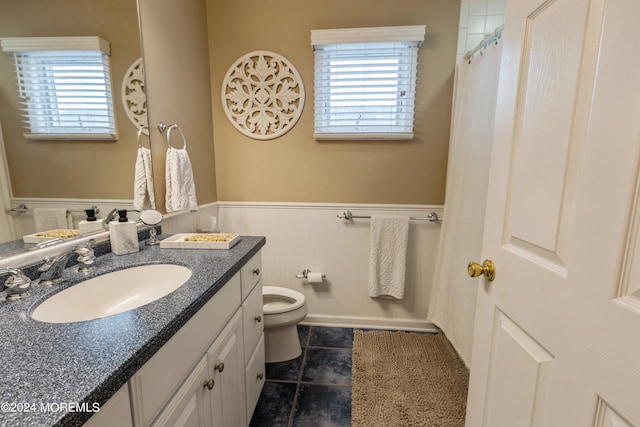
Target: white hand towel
{"points": [[388, 256], [181, 188], [52, 218], [143, 193]]}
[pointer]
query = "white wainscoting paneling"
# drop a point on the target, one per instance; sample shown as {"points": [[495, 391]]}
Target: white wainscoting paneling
{"points": [[24, 222], [189, 222], [310, 236]]}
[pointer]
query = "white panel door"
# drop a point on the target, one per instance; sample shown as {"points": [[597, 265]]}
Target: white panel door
{"points": [[557, 334]]}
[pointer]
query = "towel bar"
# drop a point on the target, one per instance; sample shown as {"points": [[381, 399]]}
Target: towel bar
{"points": [[22, 208], [431, 217]]}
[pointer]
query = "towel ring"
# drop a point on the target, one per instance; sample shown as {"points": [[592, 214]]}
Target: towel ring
{"points": [[184, 140], [140, 132]]}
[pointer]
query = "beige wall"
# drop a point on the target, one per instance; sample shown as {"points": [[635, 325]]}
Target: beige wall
{"points": [[176, 55], [295, 167], [70, 169]]}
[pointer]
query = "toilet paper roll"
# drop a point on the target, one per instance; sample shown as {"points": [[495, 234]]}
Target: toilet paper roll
{"points": [[314, 277]]}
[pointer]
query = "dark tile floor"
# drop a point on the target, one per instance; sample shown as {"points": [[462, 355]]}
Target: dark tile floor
{"points": [[314, 389]]}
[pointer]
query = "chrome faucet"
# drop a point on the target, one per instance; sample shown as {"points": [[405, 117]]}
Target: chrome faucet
{"points": [[51, 270], [111, 216], [16, 285]]}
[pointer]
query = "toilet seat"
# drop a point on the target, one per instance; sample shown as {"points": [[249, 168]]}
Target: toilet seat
{"points": [[281, 300]]}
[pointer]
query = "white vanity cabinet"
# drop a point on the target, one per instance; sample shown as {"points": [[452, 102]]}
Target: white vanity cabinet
{"points": [[213, 394], [203, 375], [116, 412], [253, 328]]}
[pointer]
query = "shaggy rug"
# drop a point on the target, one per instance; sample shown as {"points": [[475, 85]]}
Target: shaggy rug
{"points": [[406, 379]]}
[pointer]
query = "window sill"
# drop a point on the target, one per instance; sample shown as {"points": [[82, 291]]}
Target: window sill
{"points": [[363, 136]]}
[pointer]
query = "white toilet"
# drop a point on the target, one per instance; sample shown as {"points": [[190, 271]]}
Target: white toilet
{"points": [[283, 310]]}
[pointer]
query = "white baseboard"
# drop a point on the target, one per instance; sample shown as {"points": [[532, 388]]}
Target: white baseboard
{"points": [[370, 323]]}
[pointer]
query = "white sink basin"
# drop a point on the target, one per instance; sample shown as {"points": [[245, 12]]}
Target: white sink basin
{"points": [[112, 293]]}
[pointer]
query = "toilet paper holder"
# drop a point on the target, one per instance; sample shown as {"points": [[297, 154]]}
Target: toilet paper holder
{"points": [[305, 274]]}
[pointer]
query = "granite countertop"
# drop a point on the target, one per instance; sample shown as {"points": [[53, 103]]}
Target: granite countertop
{"points": [[47, 365]]}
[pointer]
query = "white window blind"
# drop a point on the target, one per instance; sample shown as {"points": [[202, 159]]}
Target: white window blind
{"points": [[65, 85], [365, 82]]}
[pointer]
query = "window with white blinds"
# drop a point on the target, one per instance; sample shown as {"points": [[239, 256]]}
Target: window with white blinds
{"points": [[65, 86], [365, 82]]}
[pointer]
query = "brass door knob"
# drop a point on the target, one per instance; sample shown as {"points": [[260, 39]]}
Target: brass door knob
{"points": [[258, 318], [219, 367], [209, 384], [487, 269]]}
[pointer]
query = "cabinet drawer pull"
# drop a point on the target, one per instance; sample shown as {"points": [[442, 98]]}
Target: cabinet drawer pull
{"points": [[256, 271], [219, 367], [258, 318], [260, 376], [209, 384]]}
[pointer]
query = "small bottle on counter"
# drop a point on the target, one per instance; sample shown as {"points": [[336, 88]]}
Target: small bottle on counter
{"points": [[124, 235], [91, 224]]}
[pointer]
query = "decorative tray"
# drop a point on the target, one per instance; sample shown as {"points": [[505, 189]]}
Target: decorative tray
{"points": [[201, 241], [45, 236]]}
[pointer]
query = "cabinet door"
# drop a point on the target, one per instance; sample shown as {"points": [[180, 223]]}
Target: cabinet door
{"points": [[226, 367], [255, 377], [253, 320], [115, 412], [191, 405]]}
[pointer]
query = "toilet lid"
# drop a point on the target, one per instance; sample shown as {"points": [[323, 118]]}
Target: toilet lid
{"points": [[281, 300]]}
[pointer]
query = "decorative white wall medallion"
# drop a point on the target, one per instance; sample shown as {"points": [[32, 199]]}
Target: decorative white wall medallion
{"points": [[134, 97], [263, 95]]}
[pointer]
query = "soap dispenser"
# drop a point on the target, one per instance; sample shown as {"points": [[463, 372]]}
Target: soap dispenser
{"points": [[91, 224], [124, 235]]}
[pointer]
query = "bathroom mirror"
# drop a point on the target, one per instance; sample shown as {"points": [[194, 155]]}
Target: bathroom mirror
{"points": [[51, 169]]}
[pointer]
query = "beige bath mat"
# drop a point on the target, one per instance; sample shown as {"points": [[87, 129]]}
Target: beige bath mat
{"points": [[406, 379]]}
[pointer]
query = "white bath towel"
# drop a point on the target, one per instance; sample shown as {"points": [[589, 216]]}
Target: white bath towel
{"points": [[52, 218], [388, 256], [144, 196], [181, 188]]}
